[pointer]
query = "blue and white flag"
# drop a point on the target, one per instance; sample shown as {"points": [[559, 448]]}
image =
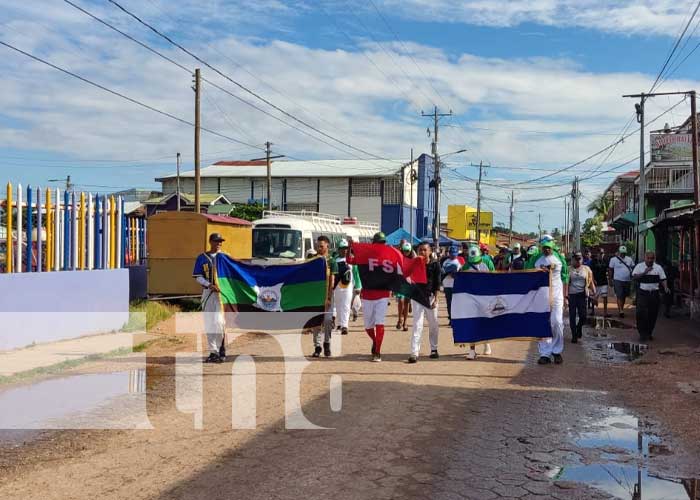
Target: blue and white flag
{"points": [[496, 306]]}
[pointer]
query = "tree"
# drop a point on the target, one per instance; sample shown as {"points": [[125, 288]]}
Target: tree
{"points": [[600, 205], [249, 212], [592, 232]]}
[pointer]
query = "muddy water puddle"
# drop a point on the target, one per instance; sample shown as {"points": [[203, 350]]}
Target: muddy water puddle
{"points": [[114, 400], [617, 352], [622, 464]]}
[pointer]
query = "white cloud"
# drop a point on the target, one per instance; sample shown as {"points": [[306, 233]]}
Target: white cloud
{"points": [[658, 17]]}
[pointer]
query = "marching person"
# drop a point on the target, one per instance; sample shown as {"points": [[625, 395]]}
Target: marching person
{"points": [[476, 263], [357, 289], [430, 291], [374, 306], [449, 268], [621, 275], [517, 262], [485, 257], [533, 253], [553, 347], [580, 285], [323, 250], [344, 290], [502, 261], [599, 266], [214, 321], [401, 300], [650, 275]]}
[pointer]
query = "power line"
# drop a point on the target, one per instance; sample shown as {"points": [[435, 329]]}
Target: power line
{"points": [[240, 85]]}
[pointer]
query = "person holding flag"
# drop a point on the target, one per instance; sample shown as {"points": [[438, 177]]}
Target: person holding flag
{"points": [[214, 322], [553, 347], [344, 287], [476, 263], [323, 244], [429, 292], [485, 257]]}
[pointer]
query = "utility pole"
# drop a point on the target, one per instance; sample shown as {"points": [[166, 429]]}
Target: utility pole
{"points": [[575, 217], [566, 224], [197, 125], [696, 173], [436, 180], [268, 144], [69, 184], [478, 204], [510, 227], [539, 226], [412, 174], [177, 189]]}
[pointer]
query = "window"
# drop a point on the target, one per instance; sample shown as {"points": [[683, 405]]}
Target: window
{"points": [[366, 187], [275, 242], [392, 190]]}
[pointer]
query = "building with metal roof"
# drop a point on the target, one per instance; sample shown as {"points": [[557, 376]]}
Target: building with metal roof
{"points": [[391, 193]]}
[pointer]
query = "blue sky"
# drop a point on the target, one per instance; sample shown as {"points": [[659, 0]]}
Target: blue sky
{"points": [[535, 85]]}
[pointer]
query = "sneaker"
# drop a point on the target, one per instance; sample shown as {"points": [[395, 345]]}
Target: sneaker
{"points": [[434, 355], [398, 325], [544, 360], [317, 352], [471, 354], [412, 359], [214, 358], [376, 358], [558, 359], [343, 331], [327, 349], [487, 350], [374, 346]]}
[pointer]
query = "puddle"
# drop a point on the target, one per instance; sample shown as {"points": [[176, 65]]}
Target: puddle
{"points": [[618, 351], [87, 401], [625, 451], [599, 323]]}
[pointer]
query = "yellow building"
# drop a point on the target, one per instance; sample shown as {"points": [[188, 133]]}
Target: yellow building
{"points": [[461, 224]]}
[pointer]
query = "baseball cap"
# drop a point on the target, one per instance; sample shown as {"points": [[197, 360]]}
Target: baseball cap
{"points": [[406, 247], [548, 244], [578, 255], [516, 246], [379, 237], [483, 246], [454, 251], [216, 237], [343, 244], [622, 249]]}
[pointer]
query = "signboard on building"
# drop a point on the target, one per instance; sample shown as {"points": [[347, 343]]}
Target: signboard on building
{"points": [[671, 147], [485, 221]]}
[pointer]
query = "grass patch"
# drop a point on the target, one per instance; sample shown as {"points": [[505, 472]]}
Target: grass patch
{"points": [[155, 311]]}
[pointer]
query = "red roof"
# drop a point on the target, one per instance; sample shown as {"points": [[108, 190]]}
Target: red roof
{"points": [[240, 163], [225, 219], [631, 173]]}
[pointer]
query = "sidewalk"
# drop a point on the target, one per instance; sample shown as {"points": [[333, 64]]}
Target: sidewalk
{"points": [[66, 351]]}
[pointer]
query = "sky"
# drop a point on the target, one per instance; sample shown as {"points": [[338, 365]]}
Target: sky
{"points": [[534, 86]]}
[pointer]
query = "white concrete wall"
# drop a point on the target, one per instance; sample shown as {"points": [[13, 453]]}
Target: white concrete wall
{"points": [[236, 190], [46, 307], [333, 196], [301, 190]]}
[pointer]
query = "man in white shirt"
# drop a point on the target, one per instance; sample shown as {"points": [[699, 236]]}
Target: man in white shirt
{"points": [[650, 276], [450, 267], [621, 275], [553, 347]]}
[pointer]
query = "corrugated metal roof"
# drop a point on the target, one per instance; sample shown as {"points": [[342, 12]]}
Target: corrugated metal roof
{"points": [[225, 219], [188, 198], [293, 168]]}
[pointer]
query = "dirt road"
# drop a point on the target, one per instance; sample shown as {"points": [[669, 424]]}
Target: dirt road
{"points": [[497, 427]]}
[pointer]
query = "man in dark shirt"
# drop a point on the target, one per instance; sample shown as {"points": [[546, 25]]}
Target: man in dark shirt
{"points": [[429, 291], [599, 266]]}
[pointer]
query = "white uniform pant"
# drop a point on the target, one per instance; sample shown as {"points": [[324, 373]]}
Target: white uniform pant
{"points": [[420, 312], [342, 298], [374, 312], [555, 345], [214, 320]]}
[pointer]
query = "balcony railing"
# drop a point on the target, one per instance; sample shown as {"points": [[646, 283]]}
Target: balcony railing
{"points": [[670, 180], [627, 203]]}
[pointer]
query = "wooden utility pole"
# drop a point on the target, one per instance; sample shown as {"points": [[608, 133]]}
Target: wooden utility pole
{"points": [[539, 226], [694, 131], [510, 227], [197, 125], [436, 178], [575, 216], [478, 204], [412, 175], [177, 189], [268, 144]]}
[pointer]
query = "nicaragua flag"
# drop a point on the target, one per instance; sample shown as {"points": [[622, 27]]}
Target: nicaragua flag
{"points": [[277, 290], [497, 306]]}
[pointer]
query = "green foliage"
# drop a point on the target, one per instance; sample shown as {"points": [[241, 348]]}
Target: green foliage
{"points": [[600, 205], [155, 312], [556, 234], [592, 232], [250, 212]]}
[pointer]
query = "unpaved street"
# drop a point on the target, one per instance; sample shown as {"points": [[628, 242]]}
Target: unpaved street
{"points": [[497, 427]]}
